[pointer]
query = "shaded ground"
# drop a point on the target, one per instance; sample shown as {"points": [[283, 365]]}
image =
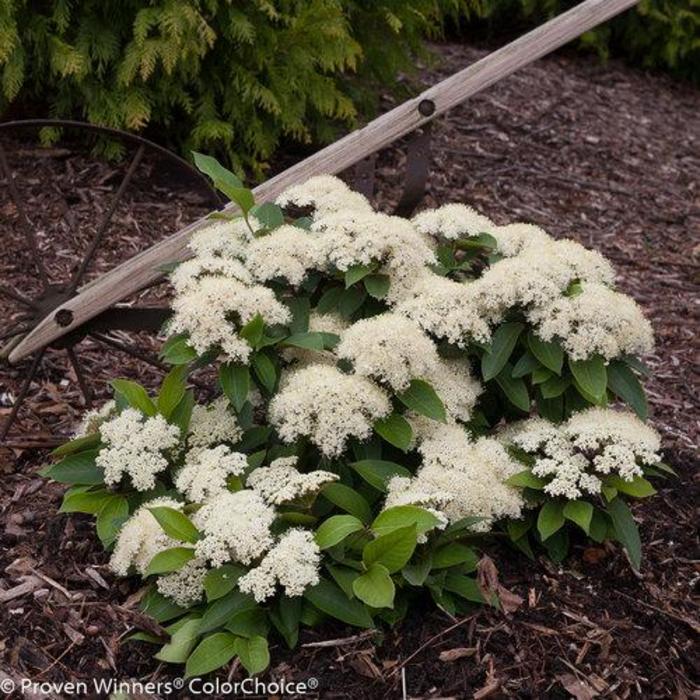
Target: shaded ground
{"points": [[598, 153]]}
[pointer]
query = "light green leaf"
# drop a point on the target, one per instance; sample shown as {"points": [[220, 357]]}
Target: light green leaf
{"points": [[526, 479], [348, 500], [591, 376], [396, 430], [213, 652], [181, 643], [579, 512], [169, 560], [402, 516], [378, 472], [172, 390], [356, 273], [464, 586], [626, 531], [308, 341], [83, 501], [111, 518], [549, 353], [270, 215], [377, 286], [550, 519], [375, 587], [638, 487], [253, 331], [422, 398], [81, 444], [253, 653], [176, 351], [336, 529], [235, 381], [175, 524], [135, 395], [249, 623], [393, 550], [500, 349], [221, 581]]}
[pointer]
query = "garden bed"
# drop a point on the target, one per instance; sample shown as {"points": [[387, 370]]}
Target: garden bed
{"points": [[601, 154]]}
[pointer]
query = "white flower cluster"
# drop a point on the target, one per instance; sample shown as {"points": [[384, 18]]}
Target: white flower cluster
{"points": [[327, 406], [318, 323], [141, 538], [452, 221], [282, 482], [93, 419], [212, 424], [325, 194], [134, 445], [459, 478], [234, 526], [595, 442], [206, 471], [293, 563], [186, 585]]}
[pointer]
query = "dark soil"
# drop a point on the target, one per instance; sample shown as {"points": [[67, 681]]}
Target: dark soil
{"points": [[603, 154]]}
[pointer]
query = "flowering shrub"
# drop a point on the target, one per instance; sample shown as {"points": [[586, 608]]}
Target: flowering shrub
{"points": [[391, 391]]}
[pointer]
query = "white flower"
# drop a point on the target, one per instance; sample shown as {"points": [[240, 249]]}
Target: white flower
{"points": [[93, 419], [288, 252], [388, 348], [186, 275], [234, 527], [185, 586], [596, 321], [282, 482], [212, 424], [453, 381], [293, 563], [318, 323], [134, 445], [515, 238], [452, 221], [206, 471], [326, 194], [141, 538], [328, 407], [226, 239]]}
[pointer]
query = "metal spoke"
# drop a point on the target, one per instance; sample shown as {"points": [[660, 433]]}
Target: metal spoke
{"points": [[22, 395], [26, 224], [80, 273], [77, 368]]}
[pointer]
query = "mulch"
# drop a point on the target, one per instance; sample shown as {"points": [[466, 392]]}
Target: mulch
{"points": [[600, 153]]}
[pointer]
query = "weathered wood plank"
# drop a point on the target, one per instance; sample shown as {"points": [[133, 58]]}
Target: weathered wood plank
{"points": [[141, 270]]}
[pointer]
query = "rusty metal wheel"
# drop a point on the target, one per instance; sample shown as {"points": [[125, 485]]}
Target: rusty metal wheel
{"points": [[67, 216]]}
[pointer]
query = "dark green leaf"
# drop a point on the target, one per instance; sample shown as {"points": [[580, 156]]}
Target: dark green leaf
{"points": [[253, 653], [554, 386], [377, 286], [453, 554], [348, 500], [329, 300], [351, 300], [549, 353], [356, 273], [235, 381], [172, 390], [213, 652], [249, 623], [500, 349], [265, 371], [378, 473], [309, 341], [175, 524], [591, 376], [396, 430], [626, 531], [422, 398], [80, 444], [182, 413], [464, 586], [160, 608], [253, 331], [110, 519], [514, 389], [135, 395], [550, 519], [268, 214], [525, 365], [330, 599], [79, 468], [218, 613], [285, 614], [221, 581], [624, 383]]}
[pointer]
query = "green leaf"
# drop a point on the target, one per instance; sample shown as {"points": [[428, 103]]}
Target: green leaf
{"points": [[464, 586], [549, 353], [169, 560], [218, 613], [330, 599], [344, 576], [308, 341], [249, 623], [514, 389], [609, 492], [393, 550], [422, 398], [176, 351], [550, 519], [598, 529], [82, 501], [172, 390], [253, 653], [175, 524], [235, 381], [665, 468], [135, 395], [525, 365], [378, 472], [554, 386], [329, 300], [336, 529], [500, 349], [348, 500], [221, 581], [351, 300], [638, 487], [591, 376], [396, 430], [160, 608], [402, 516], [626, 531], [242, 196], [579, 512], [375, 587], [181, 643], [211, 653], [78, 468], [265, 371], [217, 172], [453, 554], [417, 573], [377, 286], [270, 215], [253, 331], [356, 273], [526, 479], [80, 444], [541, 375], [182, 413], [624, 383], [300, 308], [285, 614], [110, 519]]}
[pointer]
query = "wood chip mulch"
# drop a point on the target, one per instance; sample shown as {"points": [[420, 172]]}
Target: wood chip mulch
{"points": [[600, 153]]}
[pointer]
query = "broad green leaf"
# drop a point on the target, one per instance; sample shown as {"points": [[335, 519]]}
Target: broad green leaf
{"points": [[253, 653], [526, 479], [401, 516], [249, 623], [330, 599], [377, 286], [518, 528], [175, 524], [351, 300], [541, 375], [624, 383], [665, 468], [211, 653], [79, 468], [176, 350], [423, 399], [217, 172], [500, 349], [336, 529], [329, 300], [375, 587], [610, 492], [626, 531], [344, 577], [549, 353], [218, 582], [265, 371], [348, 500], [110, 519], [172, 390], [181, 643], [554, 386], [160, 608], [285, 614], [481, 240], [557, 545], [579, 512], [514, 389], [378, 472], [638, 487], [591, 376], [550, 519], [598, 529], [393, 550], [169, 560], [396, 430], [235, 381], [464, 586], [300, 308], [84, 501], [309, 341], [356, 273], [253, 331], [218, 613], [182, 413], [417, 572], [81, 444], [135, 395], [270, 215], [453, 554], [525, 365]]}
